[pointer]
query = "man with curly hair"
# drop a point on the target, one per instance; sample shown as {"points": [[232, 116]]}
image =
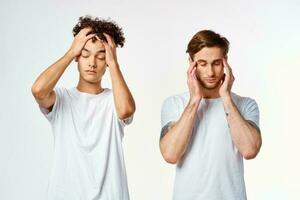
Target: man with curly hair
{"points": [[88, 120], [208, 130]]}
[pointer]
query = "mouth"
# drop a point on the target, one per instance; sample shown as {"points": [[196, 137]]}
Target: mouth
{"points": [[91, 72], [211, 80]]}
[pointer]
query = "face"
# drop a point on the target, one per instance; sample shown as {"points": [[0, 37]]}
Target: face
{"points": [[209, 67], [91, 62]]}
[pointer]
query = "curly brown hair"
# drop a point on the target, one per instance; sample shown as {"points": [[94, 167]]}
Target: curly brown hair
{"points": [[99, 27]]}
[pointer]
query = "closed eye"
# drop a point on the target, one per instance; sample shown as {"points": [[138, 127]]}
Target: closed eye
{"points": [[217, 63], [85, 55], [203, 64], [101, 57]]}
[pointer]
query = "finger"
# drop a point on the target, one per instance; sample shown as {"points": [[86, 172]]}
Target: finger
{"points": [[109, 39], [191, 76], [90, 36], [104, 42], [231, 73], [192, 65], [222, 80], [98, 38], [227, 78], [193, 73], [227, 66], [227, 69], [225, 63], [106, 45], [86, 30]]}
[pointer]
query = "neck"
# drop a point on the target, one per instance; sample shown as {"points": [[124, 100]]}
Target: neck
{"points": [[88, 87], [211, 93]]}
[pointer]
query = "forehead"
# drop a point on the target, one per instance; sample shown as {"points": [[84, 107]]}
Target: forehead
{"points": [[209, 53], [94, 46]]}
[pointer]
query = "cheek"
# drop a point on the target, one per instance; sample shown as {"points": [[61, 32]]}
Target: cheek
{"points": [[101, 64], [82, 61], [80, 66], [219, 70]]}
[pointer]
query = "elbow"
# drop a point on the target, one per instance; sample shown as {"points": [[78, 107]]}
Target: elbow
{"points": [[250, 153], [170, 159], [37, 92], [127, 112]]}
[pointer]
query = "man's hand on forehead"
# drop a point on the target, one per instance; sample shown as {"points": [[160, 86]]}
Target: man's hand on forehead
{"points": [[80, 40], [110, 49], [228, 80]]}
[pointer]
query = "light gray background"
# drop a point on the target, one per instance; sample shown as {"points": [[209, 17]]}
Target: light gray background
{"points": [[264, 55]]}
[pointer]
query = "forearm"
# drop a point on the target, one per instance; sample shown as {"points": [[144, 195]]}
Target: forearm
{"points": [[175, 142], [123, 99], [47, 80], [245, 137]]}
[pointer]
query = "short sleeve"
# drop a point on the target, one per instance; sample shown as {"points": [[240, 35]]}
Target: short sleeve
{"points": [[50, 116], [251, 112], [123, 122], [169, 113], [126, 121]]}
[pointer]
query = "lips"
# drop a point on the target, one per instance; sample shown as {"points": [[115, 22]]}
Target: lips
{"points": [[91, 72], [211, 80]]}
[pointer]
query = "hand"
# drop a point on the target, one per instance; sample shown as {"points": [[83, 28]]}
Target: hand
{"points": [[110, 50], [79, 41], [195, 88], [226, 85]]}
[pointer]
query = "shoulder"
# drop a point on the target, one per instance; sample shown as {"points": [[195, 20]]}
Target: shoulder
{"points": [[108, 91], [177, 99], [107, 95], [243, 102], [60, 91]]}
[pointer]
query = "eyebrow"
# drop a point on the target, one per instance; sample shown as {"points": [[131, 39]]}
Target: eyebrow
{"points": [[100, 51], [201, 60]]}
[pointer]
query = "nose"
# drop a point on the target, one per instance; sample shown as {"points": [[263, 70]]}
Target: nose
{"points": [[210, 71], [92, 62]]}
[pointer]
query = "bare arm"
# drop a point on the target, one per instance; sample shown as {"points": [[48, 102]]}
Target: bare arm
{"points": [[176, 139], [124, 102], [42, 89], [245, 136]]}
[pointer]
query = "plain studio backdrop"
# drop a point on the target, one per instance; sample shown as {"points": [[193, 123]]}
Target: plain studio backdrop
{"points": [[264, 55]]}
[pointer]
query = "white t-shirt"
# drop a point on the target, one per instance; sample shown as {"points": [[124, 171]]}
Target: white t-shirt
{"points": [[211, 168], [88, 159]]}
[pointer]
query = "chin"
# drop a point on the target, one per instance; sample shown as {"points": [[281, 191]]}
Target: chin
{"points": [[91, 80], [209, 87]]}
